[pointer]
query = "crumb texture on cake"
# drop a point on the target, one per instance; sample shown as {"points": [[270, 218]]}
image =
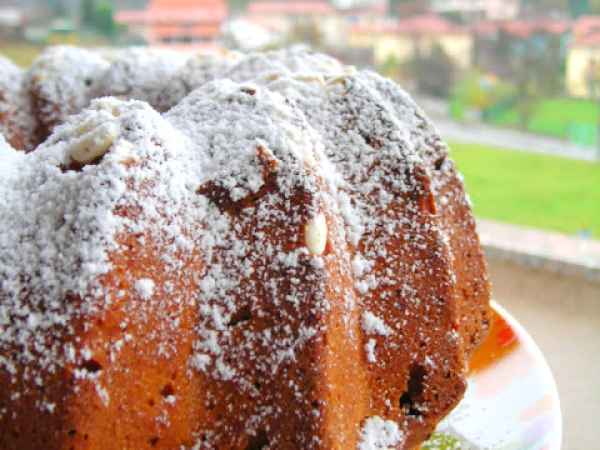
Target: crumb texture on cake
{"points": [[264, 251]]}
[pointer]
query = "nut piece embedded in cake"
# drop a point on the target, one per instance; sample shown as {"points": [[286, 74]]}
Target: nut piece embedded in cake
{"points": [[95, 143], [315, 234], [311, 78], [342, 77]]}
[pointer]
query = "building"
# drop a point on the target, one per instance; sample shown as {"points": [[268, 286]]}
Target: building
{"points": [[365, 12], [282, 16], [186, 23], [369, 35], [583, 59], [499, 46], [403, 40], [478, 9], [312, 19], [12, 21], [316, 22], [502, 9]]}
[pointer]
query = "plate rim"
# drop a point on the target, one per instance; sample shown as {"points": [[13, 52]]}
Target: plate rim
{"points": [[537, 354]]}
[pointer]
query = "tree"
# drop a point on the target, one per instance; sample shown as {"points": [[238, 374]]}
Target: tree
{"points": [[536, 71], [407, 6], [238, 5], [575, 8], [88, 10], [99, 16], [391, 67], [57, 7], [308, 32], [579, 8], [435, 72], [104, 19]]}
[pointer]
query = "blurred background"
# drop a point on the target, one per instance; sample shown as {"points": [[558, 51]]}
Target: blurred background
{"points": [[512, 85]]}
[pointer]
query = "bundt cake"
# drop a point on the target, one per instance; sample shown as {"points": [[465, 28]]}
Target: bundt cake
{"points": [[285, 259]]}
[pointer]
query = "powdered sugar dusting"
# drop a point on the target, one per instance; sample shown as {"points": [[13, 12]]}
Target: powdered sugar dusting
{"points": [[202, 69], [140, 74], [295, 61], [370, 350], [58, 227], [380, 434], [61, 82], [256, 134], [371, 324], [196, 72], [145, 288]]}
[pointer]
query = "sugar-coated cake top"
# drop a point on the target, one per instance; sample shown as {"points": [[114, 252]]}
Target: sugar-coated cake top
{"points": [[197, 71], [140, 74], [59, 225], [290, 61], [201, 69], [62, 80]]}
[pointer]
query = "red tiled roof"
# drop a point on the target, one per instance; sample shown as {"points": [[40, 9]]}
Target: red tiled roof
{"points": [[166, 31], [306, 7], [182, 17], [485, 27], [586, 31], [589, 40], [522, 28], [428, 24], [558, 26], [184, 4], [177, 11], [586, 24], [380, 26], [525, 29], [131, 16], [379, 8]]}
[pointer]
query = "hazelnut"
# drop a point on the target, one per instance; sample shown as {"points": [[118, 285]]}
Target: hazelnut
{"points": [[315, 234], [311, 78], [95, 143]]}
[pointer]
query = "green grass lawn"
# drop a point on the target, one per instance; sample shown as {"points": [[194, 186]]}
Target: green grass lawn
{"points": [[576, 110], [564, 118], [23, 53], [556, 117], [531, 189]]}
